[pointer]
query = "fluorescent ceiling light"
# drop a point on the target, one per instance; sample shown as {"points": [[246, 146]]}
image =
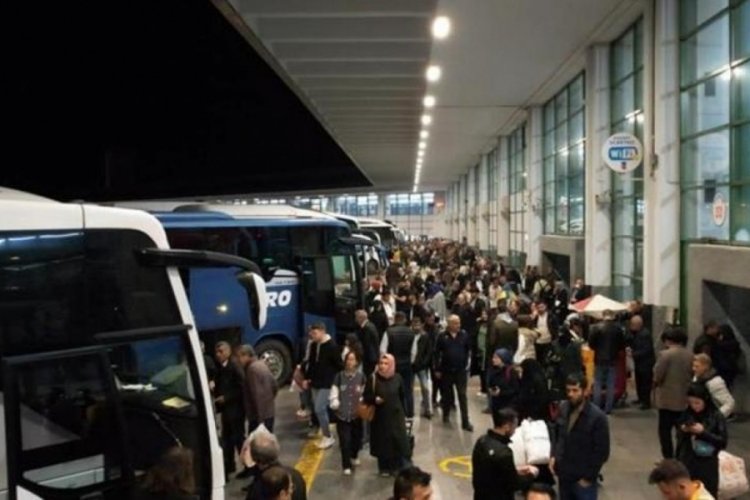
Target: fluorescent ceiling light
{"points": [[441, 27], [422, 144], [420, 153], [426, 120], [424, 134], [433, 73], [429, 101]]}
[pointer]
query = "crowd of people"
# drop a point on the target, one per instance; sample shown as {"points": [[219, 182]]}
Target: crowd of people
{"points": [[440, 314]]}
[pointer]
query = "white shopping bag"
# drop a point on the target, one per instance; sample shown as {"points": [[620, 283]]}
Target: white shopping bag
{"points": [[245, 454], [536, 441], [517, 447], [732, 476]]}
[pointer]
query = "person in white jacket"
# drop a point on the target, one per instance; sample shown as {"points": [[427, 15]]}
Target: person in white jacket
{"points": [[704, 373]]}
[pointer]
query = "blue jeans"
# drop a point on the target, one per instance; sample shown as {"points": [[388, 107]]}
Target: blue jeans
{"points": [[320, 401], [424, 387], [574, 491], [604, 374]]}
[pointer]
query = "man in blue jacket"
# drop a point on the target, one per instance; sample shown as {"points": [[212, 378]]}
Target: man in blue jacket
{"points": [[582, 444]]}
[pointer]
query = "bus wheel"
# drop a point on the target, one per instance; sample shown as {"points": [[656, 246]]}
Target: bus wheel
{"points": [[278, 358]]}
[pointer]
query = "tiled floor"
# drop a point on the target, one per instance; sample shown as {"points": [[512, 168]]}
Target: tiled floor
{"points": [[635, 448]]}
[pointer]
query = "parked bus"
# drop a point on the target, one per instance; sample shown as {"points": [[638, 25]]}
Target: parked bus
{"points": [[102, 370], [309, 260]]}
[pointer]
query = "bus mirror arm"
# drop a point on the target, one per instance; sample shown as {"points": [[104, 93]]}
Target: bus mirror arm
{"points": [[249, 276]]}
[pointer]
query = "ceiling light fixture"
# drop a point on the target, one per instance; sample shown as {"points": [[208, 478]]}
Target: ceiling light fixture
{"points": [[429, 101], [433, 73], [441, 27], [420, 153], [424, 134], [422, 144], [426, 120]]}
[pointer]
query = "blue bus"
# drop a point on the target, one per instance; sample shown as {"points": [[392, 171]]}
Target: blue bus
{"points": [[314, 272]]}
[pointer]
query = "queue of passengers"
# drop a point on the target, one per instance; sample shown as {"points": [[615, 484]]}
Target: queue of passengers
{"points": [[441, 314]]}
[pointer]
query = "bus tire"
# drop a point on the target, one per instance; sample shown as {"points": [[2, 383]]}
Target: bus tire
{"points": [[278, 358]]}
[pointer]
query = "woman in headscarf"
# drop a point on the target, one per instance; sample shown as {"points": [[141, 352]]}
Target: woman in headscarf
{"points": [[502, 381], [702, 435], [389, 442]]}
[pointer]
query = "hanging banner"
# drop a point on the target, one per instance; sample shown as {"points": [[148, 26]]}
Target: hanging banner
{"points": [[622, 152]]}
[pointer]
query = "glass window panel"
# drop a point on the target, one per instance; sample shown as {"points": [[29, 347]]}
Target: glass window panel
{"points": [[696, 12], [549, 220], [575, 186], [740, 213], [698, 206], [549, 143], [623, 99], [638, 49], [705, 160], [549, 168], [577, 93], [623, 224], [576, 160], [706, 51], [622, 56], [561, 135], [706, 106], [561, 106], [640, 210], [741, 85], [741, 31], [561, 164], [576, 217], [741, 169], [576, 129], [549, 116], [549, 194], [624, 255]]}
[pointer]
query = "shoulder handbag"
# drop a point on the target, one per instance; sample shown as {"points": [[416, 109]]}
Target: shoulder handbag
{"points": [[703, 448], [366, 411]]}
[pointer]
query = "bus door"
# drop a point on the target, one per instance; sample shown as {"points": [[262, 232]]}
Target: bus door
{"points": [[317, 297], [91, 422], [64, 429]]}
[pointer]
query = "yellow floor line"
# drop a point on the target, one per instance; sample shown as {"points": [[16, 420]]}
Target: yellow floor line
{"points": [[309, 462]]}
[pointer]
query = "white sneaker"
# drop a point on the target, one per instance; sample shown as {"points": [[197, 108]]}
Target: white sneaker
{"points": [[325, 443], [355, 461], [347, 472]]}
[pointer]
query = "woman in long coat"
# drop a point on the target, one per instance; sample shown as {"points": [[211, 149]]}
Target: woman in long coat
{"points": [[703, 434], [389, 442]]}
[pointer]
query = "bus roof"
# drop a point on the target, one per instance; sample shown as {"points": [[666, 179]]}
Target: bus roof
{"points": [[219, 219], [365, 222], [10, 194]]}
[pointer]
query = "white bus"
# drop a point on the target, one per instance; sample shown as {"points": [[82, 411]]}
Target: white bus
{"points": [[101, 371]]}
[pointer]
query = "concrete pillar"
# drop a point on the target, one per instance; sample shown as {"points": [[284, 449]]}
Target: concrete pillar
{"points": [[598, 264], [661, 236], [534, 185]]}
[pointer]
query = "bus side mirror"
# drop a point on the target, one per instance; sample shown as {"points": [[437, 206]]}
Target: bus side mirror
{"points": [[257, 297]]}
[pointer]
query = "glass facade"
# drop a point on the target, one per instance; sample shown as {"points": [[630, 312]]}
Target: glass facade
{"points": [[715, 120], [626, 115], [410, 204], [564, 160], [357, 206], [516, 191]]}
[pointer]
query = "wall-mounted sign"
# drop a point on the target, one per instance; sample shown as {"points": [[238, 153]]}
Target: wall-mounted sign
{"points": [[719, 209], [622, 152]]}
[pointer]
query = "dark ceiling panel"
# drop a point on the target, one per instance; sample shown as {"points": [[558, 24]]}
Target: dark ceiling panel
{"points": [[127, 99]]}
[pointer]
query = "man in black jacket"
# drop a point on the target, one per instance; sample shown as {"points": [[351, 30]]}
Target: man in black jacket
{"points": [[368, 336], [607, 340], [582, 444], [228, 400], [644, 358], [399, 341], [452, 357], [325, 362], [494, 471]]}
